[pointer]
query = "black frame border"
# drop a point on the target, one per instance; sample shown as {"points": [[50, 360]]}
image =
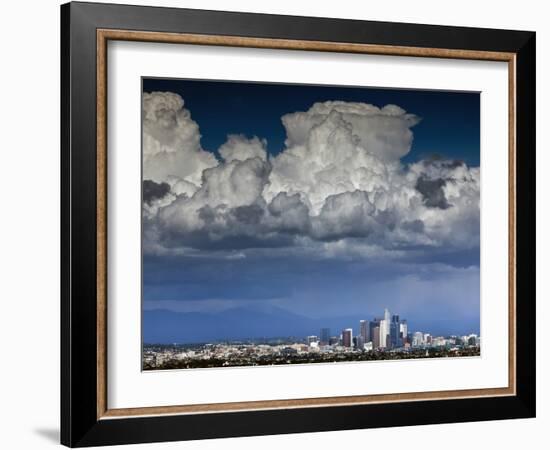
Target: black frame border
{"points": [[79, 424]]}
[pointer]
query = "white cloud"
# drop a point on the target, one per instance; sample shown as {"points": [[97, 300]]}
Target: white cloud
{"points": [[339, 180], [382, 132], [240, 148], [171, 140]]}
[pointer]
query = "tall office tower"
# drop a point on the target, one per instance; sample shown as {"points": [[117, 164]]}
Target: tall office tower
{"points": [[376, 337], [385, 329], [395, 341], [364, 330], [325, 336], [373, 324], [395, 332], [403, 331], [384, 333], [359, 342], [347, 337]]}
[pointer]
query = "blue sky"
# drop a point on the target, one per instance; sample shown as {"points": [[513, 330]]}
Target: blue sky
{"points": [[293, 207]]}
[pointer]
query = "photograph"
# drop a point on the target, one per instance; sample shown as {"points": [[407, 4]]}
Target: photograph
{"points": [[296, 223]]}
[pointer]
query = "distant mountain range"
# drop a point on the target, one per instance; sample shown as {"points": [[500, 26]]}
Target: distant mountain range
{"points": [[164, 326]]}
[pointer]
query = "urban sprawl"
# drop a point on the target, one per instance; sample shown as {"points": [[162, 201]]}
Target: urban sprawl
{"points": [[383, 338]]}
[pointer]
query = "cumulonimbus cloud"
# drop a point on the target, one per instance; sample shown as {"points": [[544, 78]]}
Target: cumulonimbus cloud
{"points": [[339, 180]]}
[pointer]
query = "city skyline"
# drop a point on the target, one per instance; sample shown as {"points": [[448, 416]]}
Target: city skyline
{"points": [[386, 337], [398, 332], [389, 332], [196, 327]]}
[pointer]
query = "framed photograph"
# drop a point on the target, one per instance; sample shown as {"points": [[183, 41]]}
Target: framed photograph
{"points": [[276, 224]]}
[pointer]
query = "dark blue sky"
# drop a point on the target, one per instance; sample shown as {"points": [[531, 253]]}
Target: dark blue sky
{"points": [[449, 127], [193, 297]]}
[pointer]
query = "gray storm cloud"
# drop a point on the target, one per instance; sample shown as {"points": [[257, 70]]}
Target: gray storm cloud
{"points": [[338, 181], [154, 191]]}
